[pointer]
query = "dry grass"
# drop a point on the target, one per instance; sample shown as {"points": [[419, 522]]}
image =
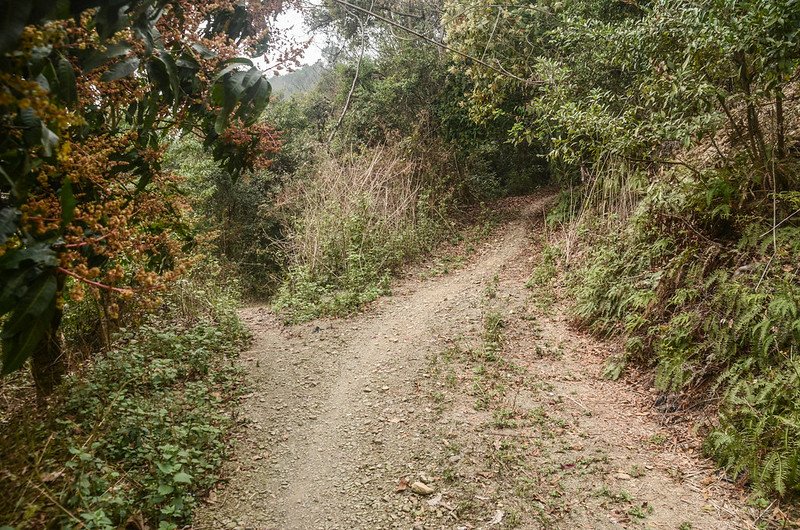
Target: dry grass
{"points": [[355, 207]]}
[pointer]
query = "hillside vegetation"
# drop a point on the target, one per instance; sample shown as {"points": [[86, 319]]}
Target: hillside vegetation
{"points": [[152, 183], [299, 81], [677, 124]]}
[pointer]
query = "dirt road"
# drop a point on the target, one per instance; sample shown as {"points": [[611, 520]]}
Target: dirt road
{"points": [[467, 386]]}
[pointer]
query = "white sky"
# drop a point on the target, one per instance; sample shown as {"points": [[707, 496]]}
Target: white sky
{"points": [[292, 21]]}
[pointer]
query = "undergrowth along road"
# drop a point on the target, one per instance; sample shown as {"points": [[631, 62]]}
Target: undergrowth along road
{"points": [[461, 401]]}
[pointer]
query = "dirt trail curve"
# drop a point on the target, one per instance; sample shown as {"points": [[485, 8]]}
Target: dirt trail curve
{"points": [[345, 411]]}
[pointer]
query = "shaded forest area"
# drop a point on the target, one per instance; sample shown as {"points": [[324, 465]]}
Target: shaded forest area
{"points": [[152, 184]]}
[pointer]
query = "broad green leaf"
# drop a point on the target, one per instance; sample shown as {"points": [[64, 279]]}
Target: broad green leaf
{"points": [[233, 65], [14, 285], [29, 323], [204, 52], [13, 19], [165, 489], [231, 91], [38, 299], [165, 467], [8, 223], [67, 87], [43, 82], [182, 478], [188, 62], [121, 69], [217, 94], [49, 141], [110, 19], [7, 178], [252, 77], [20, 345], [32, 126], [99, 58], [38, 254], [260, 100], [172, 73]]}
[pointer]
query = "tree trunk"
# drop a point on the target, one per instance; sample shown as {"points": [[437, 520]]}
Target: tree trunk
{"points": [[48, 363], [780, 131], [753, 126]]}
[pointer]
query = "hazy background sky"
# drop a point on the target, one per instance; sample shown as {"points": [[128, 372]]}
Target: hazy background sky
{"points": [[292, 21]]}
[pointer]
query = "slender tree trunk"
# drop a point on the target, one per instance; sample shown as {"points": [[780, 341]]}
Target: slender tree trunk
{"points": [[740, 136], [780, 131], [48, 363], [352, 86], [753, 125], [105, 320]]}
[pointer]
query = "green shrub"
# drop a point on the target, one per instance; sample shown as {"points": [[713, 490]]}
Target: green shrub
{"points": [[136, 435], [565, 209], [546, 268], [708, 296], [233, 219], [355, 223], [759, 431]]}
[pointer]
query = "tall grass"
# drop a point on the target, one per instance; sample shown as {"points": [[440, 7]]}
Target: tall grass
{"points": [[355, 221]]}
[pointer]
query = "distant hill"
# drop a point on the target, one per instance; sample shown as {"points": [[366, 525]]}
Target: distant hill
{"points": [[299, 81]]}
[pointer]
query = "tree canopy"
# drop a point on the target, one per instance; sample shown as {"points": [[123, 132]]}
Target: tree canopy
{"points": [[91, 92]]}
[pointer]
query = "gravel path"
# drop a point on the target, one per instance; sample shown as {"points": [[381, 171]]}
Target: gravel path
{"points": [[347, 414]]}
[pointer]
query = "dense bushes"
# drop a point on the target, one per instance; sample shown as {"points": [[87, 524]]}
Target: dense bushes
{"points": [[707, 305], [356, 221], [91, 96], [678, 122], [134, 436], [231, 218], [96, 231], [403, 153], [137, 430]]}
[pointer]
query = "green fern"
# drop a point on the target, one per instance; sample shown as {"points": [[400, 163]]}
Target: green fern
{"points": [[709, 312]]}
